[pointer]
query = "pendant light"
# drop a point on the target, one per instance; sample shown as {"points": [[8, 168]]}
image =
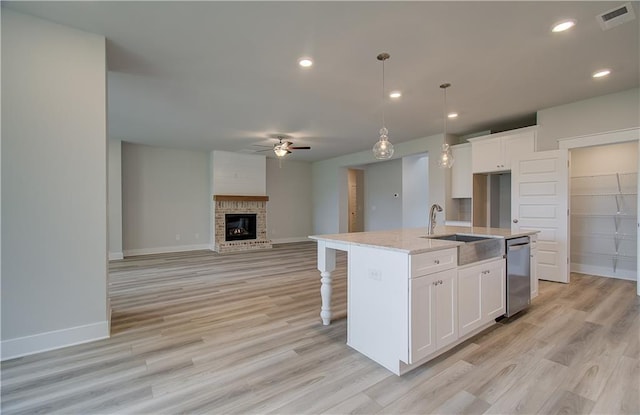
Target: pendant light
{"points": [[383, 149], [446, 157]]}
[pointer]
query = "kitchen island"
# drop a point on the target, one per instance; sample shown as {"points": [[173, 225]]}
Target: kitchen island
{"points": [[407, 299]]}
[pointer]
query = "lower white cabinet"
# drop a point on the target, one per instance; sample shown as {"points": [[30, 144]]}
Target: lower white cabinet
{"points": [[433, 305], [481, 294]]}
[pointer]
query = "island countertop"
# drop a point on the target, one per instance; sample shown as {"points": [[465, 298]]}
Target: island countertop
{"points": [[413, 241]]}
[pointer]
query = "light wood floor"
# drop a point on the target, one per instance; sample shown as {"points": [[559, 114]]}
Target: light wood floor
{"points": [[200, 332]]}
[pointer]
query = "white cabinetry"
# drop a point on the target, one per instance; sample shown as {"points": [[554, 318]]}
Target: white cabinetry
{"points": [[433, 312], [495, 152], [461, 175], [481, 294]]}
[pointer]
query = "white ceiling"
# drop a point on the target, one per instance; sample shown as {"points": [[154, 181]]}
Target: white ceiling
{"points": [[224, 75]]}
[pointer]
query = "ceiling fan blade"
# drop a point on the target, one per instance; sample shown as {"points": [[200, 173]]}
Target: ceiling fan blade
{"points": [[300, 148]]}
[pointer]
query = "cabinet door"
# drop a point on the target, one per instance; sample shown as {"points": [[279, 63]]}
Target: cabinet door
{"points": [[461, 176], [517, 145], [493, 289], [481, 294], [422, 339], [469, 291], [446, 308], [486, 155]]}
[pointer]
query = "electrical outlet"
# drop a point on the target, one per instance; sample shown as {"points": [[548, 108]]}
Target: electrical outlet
{"points": [[177, 236], [375, 274], [197, 236]]}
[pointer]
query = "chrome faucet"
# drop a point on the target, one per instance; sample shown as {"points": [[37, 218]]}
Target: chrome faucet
{"points": [[432, 217]]}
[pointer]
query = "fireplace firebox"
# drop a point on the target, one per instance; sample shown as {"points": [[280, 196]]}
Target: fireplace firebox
{"points": [[240, 226]]}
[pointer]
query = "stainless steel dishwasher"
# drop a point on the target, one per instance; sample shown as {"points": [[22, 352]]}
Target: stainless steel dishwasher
{"points": [[518, 275]]}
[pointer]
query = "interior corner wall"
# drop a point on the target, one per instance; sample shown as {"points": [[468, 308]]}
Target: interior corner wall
{"points": [[590, 116], [54, 186], [289, 206], [329, 178], [114, 197], [165, 199]]}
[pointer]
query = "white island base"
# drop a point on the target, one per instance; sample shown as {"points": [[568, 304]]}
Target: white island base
{"points": [[407, 299]]}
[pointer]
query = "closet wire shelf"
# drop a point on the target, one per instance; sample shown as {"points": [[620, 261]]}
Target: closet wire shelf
{"points": [[604, 219]]}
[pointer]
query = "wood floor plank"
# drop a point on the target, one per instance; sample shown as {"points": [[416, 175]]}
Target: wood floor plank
{"points": [[564, 402], [463, 403], [620, 394], [200, 332], [529, 396]]}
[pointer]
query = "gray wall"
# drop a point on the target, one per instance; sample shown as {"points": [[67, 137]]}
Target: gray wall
{"points": [[595, 115], [382, 210], [115, 198], [329, 179], [415, 192], [289, 206], [54, 185], [165, 198]]}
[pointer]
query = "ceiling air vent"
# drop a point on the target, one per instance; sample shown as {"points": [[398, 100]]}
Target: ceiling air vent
{"points": [[615, 17]]}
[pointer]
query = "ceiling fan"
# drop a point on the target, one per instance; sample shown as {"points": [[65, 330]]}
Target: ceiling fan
{"points": [[284, 146]]}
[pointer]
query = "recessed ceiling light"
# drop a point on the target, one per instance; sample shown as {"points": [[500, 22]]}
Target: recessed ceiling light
{"points": [[395, 94], [563, 25], [601, 73], [452, 115], [305, 62]]}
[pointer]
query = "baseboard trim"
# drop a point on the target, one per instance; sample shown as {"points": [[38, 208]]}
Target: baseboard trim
{"points": [[291, 240], [114, 256], [165, 249], [52, 340], [604, 271]]}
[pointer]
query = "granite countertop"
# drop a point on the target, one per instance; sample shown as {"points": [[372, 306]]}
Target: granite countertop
{"points": [[412, 241]]}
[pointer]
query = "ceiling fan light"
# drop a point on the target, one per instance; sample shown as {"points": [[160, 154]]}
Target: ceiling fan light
{"points": [[280, 151]]}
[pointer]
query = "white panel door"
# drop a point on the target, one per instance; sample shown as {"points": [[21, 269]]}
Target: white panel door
{"points": [[540, 201]]}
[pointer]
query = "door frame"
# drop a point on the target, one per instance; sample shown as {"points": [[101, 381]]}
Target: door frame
{"points": [[609, 137]]}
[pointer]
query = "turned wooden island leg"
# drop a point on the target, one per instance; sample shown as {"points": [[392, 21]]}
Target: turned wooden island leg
{"points": [[326, 264]]}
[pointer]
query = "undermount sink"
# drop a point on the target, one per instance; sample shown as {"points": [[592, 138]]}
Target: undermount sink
{"points": [[475, 248], [460, 238]]}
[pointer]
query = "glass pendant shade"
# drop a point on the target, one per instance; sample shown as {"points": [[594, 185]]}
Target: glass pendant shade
{"points": [[446, 159], [383, 149]]}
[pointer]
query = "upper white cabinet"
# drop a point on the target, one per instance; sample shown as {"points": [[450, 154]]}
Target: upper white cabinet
{"points": [[494, 152], [461, 174]]}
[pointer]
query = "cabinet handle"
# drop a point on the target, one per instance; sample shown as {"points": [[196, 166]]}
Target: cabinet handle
{"points": [[437, 261]]}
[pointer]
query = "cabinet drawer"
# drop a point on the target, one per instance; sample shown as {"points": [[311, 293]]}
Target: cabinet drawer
{"points": [[430, 262]]}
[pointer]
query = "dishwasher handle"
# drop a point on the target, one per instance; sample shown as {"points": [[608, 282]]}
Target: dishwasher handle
{"points": [[517, 247]]}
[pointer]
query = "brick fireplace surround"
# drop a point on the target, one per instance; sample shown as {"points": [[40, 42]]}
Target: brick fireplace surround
{"points": [[224, 204]]}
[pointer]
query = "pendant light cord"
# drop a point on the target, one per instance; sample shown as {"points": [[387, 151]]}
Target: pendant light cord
{"points": [[383, 93], [444, 108]]}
